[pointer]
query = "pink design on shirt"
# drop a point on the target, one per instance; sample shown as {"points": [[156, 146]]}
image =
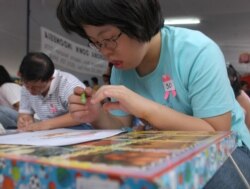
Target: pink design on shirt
{"points": [[53, 109], [168, 86]]}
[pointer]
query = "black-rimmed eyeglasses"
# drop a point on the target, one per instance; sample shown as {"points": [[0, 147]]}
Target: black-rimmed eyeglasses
{"points": [[106, 43]]}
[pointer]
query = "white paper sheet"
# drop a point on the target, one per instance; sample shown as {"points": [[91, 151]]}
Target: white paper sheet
{"points": [[56, 137]]}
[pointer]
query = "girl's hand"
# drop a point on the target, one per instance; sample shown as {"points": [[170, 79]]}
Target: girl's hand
{"points": [[83, 111], [126, 100]]}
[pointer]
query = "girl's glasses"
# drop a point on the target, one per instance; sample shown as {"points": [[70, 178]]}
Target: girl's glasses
{"points": [[106, 43]]}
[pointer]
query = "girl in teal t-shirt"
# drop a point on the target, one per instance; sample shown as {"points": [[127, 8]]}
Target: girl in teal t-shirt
{"points": [[173, 78]]}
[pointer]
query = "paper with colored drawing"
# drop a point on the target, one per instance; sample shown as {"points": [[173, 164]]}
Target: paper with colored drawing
{"points": [[56, 137]]}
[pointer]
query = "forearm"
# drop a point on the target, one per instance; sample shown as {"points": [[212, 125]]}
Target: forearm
{"points": [[165, 118], [244, 102], [59, 122]]}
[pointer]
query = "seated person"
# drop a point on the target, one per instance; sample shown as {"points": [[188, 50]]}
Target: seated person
{"points": [[8, 117], [95, 84], [239, 93], [9, 99], [9, 91], [45, 93], [244, 58], [106, 75], [244, 87], [86, 83], [173, 78]]}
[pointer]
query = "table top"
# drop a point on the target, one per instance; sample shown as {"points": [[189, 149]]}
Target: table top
{"points": [[144, 154]]}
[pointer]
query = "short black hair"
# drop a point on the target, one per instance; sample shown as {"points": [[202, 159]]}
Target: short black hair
{"points": [[4, 76], [86, 83], [234, 78], [94, 80], [139, 19], [36, 66]]}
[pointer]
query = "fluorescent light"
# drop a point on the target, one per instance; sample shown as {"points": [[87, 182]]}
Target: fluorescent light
{"points": [[179, 21]]}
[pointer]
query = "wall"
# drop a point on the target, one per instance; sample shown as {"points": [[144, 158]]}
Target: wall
{"points": [[231, 36], [12, 33], [13, 14]]}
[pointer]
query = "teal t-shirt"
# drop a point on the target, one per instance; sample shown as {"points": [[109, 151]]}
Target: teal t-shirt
{"points": [[195, 67]]}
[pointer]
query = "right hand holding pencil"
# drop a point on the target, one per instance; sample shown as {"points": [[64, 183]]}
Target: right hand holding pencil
{"points": [[80, 107]]}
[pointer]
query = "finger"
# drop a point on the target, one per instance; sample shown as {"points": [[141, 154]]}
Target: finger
{"points": [[29, 121], [20, 126], [89, 91], [111, 106], [74, 99], [77, 107], [19, 129], [78, 90], [26, 129], [20, 123], [102, 93]]}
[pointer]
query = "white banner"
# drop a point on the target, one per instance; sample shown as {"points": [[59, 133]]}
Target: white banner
{"points": [[71, 55]]}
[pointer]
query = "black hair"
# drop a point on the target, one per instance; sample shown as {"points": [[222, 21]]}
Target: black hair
{"points": [[243, 83], [139, 19], [36, 66], [4, 76], [234, 78], [86, 83], [94, 80]]}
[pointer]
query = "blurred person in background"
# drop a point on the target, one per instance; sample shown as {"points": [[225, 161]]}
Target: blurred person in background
{"points": [[9, 99], [95, 83], [244, 58], [239, 93], [107, 74], [86, 83], [9, 91], [45, 92]]}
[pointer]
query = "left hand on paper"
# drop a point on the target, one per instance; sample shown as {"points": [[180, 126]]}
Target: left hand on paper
{"points": [[24, 120]]}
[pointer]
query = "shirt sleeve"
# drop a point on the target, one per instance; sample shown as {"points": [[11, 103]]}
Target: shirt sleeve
{"points": [[25, 106], [208, 84], [11, 93], [68, 86]]}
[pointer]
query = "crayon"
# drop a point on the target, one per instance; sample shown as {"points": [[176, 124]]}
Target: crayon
{"points": [[83, 98]]}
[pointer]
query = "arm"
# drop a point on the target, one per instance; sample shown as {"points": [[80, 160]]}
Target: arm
{"points": [[11, 92], [158, 115], [58, 122], [244, 101], [172, 120]]}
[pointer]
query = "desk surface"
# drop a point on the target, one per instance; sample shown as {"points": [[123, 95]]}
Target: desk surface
{"points": [[149, 159]]}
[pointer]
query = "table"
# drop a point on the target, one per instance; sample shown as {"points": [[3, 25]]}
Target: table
{"points": [[136, 160]]}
